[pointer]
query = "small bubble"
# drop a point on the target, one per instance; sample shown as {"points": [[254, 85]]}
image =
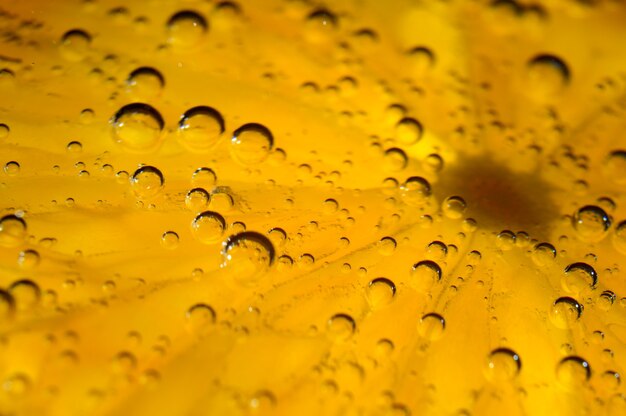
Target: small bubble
{"points": [[75, 45], [26, 294], [547, 75], [505, 240], [74, 147], [606, 300], [454, 207], [341, 326], [395, 159], [320, 25], [147, 182], [221, 200], [251, 143], [543, 254], [330, 206], [208, 227], [263, 402], [408, 131], [145, 83], [579, 277], [169, 240], [424, 275], [572, 372], [565, 312], [4, 131], [591, 223], [200, 128], [28, 259], [615, 166], [380, 292], [197, 199], [503, 364], [199, 317], [247, 255], [12, 231], [204, 178], [17, 384], [7, 305], [432, 326], [186, 29], [415, 191], [137, 127], [12, 168], [420, 60]]}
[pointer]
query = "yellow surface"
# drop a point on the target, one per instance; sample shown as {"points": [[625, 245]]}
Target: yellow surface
{"points": [[283, 207]]}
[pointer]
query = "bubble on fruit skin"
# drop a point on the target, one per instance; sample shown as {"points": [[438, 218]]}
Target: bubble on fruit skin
{"points": [[579, 277], [186, 29], [75, 45], [415, 191], [380, 292], [197, 199], [408, 131], [424, 275], [145, 83], [432, 326], [199, 317], [137, 127], [26, 294], [503, 364], [565, 311], [248, 256], [208, 227], [591, 223], [12, 231], [547, 74], [572, 372], [395, 159], [200, 128], [147, 182], [454, 207], [7, 305], [251, 143], [341, 327], [543, 254]]}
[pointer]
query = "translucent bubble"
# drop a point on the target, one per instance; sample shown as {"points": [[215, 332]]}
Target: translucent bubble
{"points": [[7, 305], [420, 60], [17, 384], [247, 255], [170, 240], [197, 199], [277, 236], [591, 223], [137, 127], [415, 191], [341, 326], [208, 227], [320, 26], [503, 364], [12, 168], [380, 292], [145, 83], [74, 147], [199, 317], [186, 29], [26, 294], [408, 131], [437, 250], [619, 237], [263, 402], [547, 75], [204, 178], [572, 372], [432, 326], [506, 240], [425, 274], [606, 300], [454, 207], [75, 45], [386, 246], [251, 143], [543, 254], [610, 380], [579, 277], [565, 312], [4, 131], [147, 182], [28, 259], [433, 163], [200, 128], [330, 206], [12, 231], [221, 200], [615, 166], [395, 159]]}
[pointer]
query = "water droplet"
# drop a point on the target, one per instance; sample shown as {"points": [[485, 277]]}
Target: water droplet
{"points": [[579, 277], [199, 317], [619, 237], [200, 128], [610, 380], [186, 29], [565, 312], [26, 294], [437, 250], [147, 182], [415, 191], [386, 246], [408, 131], [12, 168], [4, 131], [204, 178], [137, 127], [615, 166], [145, 83], [330, 206], [454, 207], [12, 231], [380, 292], [75, 45], [606, 300], [432, 326], [251, 143], [320, 25], [197, 199], [341, 326], [506, 240], [169, 240], [424, 275], [543, 254], [28, 259], [420, 60], [503, 364], [591, 223], [547, 75], [395, 159], [572, 372], [208, 227], [247, 255]]}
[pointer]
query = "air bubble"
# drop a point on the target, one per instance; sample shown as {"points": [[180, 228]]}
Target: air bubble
{"points": [[208, 227], [200, 128], [75, 45], [579, 277], [572, 372], [503, 364], [145, 83], [147, 182], [432, 326], [247, 256], [186, 29], [251, 144], [424, 275], [591, 223], [380, 292], [341, 326], [137, 127]]}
